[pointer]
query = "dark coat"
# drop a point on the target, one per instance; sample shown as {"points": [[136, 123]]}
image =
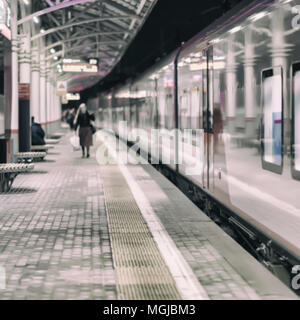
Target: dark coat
{"points": [[84, 120], [37, 135]]}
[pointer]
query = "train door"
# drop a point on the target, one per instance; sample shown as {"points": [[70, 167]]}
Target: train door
{"points": [[207, 87]]}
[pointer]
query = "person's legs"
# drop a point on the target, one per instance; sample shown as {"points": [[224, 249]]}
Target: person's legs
{"points": [[82, 147], [87, 152]]}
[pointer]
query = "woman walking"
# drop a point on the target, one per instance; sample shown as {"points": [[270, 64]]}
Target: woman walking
{"points": [[83, 121]]}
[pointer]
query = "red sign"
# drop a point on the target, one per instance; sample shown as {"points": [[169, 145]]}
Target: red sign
{"points": [[24, 91]]}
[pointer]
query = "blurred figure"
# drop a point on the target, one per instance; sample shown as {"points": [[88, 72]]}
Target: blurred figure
{"points": [[37, 134], [70, 118], [83, 121]]}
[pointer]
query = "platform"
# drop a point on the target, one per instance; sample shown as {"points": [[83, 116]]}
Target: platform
{"points": [[72, 229]]}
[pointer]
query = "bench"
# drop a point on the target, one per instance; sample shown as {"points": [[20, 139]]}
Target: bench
{"points": [[56, 135], [42, 148], [28, 157], [52, 141], [8, 173]]}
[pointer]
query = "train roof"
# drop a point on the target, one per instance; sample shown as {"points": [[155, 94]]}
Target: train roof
{"points": [[241, 11]]}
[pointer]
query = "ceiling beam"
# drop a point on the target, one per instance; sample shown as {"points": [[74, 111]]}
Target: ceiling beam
{"points": [[59, 43], [62, 5], [61, 52], [70, 25]]}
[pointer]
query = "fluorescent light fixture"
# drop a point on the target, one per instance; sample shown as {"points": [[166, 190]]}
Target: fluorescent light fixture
{"points": [[36, 19], [235, 29], [258, 16], [71, 60], [216, 40]]}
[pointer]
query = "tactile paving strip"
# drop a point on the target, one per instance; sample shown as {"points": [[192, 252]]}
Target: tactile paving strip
{"points": [[141, 273]]}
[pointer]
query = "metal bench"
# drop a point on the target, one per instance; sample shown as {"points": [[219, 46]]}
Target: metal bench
{"points": [[8, 173], [52, 141], [28, 157], [42, 148]]}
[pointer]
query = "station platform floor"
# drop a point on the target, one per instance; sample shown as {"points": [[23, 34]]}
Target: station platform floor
{"points": [[74, 229]]}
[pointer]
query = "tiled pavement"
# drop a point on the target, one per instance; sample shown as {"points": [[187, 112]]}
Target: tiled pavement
{"points": [[224, 269], [54, 241]]}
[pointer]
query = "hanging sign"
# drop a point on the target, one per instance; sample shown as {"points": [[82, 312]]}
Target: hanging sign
{"points": [[73, 96], [61, 88]]}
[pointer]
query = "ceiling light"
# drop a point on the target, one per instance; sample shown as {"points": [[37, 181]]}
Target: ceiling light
{"points": [[235, 29], [42, 31], [36, 19], [52, 50], [258, 16]]}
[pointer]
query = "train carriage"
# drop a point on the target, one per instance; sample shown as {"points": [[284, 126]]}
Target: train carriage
{"points": [[233, 94]]}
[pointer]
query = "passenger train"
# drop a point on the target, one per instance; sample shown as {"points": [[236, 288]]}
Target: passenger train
{"points": [[238, 84]]}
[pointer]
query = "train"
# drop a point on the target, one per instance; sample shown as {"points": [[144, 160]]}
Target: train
{"points": [[235, 87]]}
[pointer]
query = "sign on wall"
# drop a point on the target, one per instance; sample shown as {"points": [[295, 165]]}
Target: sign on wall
{"points": [[61, 88]]}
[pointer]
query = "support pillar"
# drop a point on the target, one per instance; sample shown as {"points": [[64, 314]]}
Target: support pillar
{"points": [[43, 105], [24, 105], [12, 115], [280, 51], [48, 98], [251, 102], [231, 87], [35, 84]]}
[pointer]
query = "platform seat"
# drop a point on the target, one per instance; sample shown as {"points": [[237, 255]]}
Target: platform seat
{"points": [[42, 148], [28, 157], [56, 135], [8, 173]]}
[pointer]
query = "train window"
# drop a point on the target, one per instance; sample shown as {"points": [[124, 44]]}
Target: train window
{"points": [[295, 141], [271, 129]]}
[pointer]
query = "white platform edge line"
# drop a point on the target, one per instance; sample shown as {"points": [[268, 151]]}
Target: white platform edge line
{"points": [[186, 282]]}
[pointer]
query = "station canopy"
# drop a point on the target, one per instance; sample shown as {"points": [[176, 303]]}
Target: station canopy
{"points": [[82, 32]]}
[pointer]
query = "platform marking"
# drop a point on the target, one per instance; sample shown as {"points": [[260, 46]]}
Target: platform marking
{"points": [[185, 279]]}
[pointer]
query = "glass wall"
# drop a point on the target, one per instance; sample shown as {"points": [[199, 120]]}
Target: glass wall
{"points": [[296, 119], [272, 117]]}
